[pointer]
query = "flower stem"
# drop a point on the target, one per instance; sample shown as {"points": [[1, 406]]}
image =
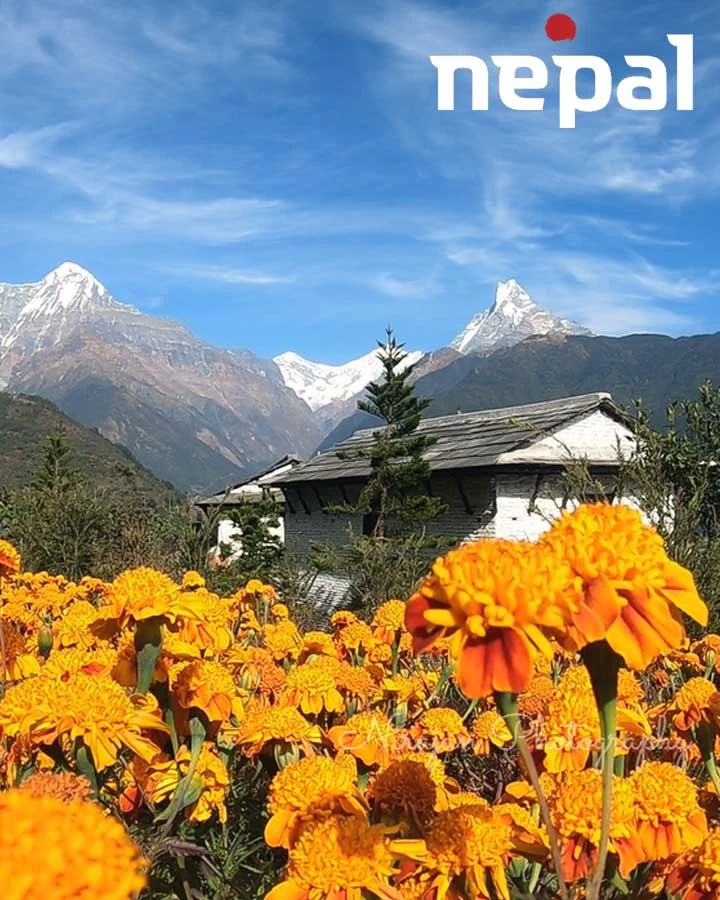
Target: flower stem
{"points": [[507, 704], [603, 665], [705, 737]]}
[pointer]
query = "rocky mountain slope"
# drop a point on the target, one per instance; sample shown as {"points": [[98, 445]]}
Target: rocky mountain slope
{"points": [[548, 367], [197, 415], [512, 317], [25, 424]]}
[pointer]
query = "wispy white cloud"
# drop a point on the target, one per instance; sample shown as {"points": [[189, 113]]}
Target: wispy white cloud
{"points": [[230, 275], [404, 288]]}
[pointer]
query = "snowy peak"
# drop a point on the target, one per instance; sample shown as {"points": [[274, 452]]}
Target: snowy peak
{"points": [[512, 317], [319, 384], [69, 287]]}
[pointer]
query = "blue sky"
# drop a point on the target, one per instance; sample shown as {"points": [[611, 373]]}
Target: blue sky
{"points": [[277, 176]]}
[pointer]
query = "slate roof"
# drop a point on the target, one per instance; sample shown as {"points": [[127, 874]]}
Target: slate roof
{"points": [[223, 498], [463, 441]]}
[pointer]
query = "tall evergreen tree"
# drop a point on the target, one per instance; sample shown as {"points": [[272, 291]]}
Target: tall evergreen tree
{"points": [[396, 497]]}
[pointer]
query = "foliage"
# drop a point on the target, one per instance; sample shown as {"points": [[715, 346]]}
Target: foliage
{"points": [[395, 502], [395, 495], [676, 474]]}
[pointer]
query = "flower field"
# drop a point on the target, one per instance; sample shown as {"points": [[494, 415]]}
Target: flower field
{"points": [[533, 722]]}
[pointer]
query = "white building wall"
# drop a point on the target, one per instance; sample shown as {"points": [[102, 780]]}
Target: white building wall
{"points": [[596, 437]]}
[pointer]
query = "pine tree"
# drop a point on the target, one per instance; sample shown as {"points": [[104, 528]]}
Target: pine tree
{"points": [[55, 472], [396, 497]]}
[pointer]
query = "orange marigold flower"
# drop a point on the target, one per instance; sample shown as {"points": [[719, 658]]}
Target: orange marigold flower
{"points": [[311, 788], [17, 661], [210, 782], [73, 629], [368, 736], [211, 628], [405, 790], [627, 591], [708, 651], [342, 618], [66, 786], [140, 594], [442, 729], [65, 851], [283, 640], [489, 730], [357, 637], [469, 844], [668, 817], [264, 726], [338, 856], [576, 807], [10, 561], [192, 580], [696, 874], [389, 621], [692, 704], [256, 670], [533, 702], [206, 685], [318, 643], [90, 708], [313, 691], [495, 598]]}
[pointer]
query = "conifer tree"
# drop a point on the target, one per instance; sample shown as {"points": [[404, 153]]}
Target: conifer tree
{"points": [[396, 497]]}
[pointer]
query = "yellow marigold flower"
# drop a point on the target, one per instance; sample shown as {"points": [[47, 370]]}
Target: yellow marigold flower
{"points": [[338, 857], [264, 726], [10, 561], [576, 807], [353, 682], [406, 790], [627, 591], [140, 594], [342, 618], [65, 786], [668, 817], [62, 664], [73, 629], [256, 589], [318, 643], [279, 612], [256, 670], [442, 729], [313, 691], [65, 851], [408, 689], [312, 788], [368, 736], [210, 782], [98, 712], [471, 844], [283, 641], [206, 685], [17, 662], [212, 629], [533, 702], [692, 704], [696, 874], [357, 637], [495, 599], [192, 580], [489, 730], [389, 621], [571, 728]]}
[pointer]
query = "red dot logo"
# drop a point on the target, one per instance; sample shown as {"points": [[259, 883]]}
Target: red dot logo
{"points": [[560, 27]]}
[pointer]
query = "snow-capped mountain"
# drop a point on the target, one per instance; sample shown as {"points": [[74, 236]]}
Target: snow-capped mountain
{"points": [[320, 385], [512, 318], [197, 415]]}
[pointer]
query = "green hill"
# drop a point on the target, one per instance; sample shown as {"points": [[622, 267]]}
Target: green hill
{"points": [[26, 422]]}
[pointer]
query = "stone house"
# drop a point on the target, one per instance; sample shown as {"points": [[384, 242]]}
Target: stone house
{"points": [[251, 490], [500, 471]]}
